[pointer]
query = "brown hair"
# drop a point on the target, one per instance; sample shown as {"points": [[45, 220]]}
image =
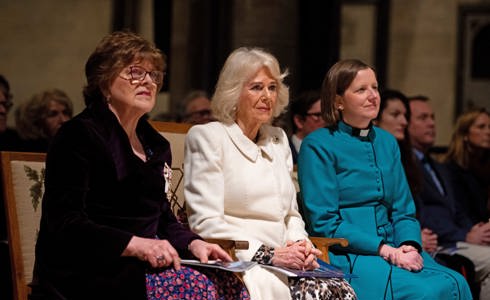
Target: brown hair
{"points": [[336, 81], [459, 149], [31, 115], [113, 53]]}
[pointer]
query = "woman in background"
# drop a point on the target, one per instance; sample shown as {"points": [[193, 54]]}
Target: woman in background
{"points": [[393, 116], [468, 158], [39, 119]]}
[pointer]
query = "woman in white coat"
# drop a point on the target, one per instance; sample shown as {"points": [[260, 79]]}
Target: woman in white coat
{"points": [[238, 180]]}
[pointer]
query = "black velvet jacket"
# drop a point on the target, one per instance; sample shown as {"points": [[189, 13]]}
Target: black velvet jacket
{"points": [[98, 195]]}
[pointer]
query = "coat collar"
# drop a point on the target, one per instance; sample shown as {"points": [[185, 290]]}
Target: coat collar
{"points": [[362, 134], [157, 148], [267, 137]]}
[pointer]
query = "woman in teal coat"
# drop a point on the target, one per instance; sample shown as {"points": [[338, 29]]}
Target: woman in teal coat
{"points": [[353, 186]]}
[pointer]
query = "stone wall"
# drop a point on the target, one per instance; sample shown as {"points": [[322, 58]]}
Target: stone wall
{"points": [[45, 44]]}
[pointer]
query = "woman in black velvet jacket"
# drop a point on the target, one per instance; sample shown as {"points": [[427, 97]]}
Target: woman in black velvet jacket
{"points": [[105, 218]]}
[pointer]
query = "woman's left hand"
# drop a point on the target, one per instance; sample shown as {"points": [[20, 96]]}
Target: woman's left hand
{"points": [[410, 259], [204, 251]]}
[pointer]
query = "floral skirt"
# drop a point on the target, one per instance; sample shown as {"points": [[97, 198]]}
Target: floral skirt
{"points": [[194, 283]]}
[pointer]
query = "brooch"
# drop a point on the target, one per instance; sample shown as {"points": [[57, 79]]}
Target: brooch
{"points": [[167, 175]]}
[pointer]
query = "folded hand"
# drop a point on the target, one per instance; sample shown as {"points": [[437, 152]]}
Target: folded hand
{"points": [[297, 255], [406, 257]]}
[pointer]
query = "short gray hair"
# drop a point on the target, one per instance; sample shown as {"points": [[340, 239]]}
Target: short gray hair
{"points": [[239, 67]]}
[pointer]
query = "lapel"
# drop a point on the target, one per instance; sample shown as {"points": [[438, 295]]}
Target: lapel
{"points": [[429, 181], [440, 173], [117, 141], [250, 149]]}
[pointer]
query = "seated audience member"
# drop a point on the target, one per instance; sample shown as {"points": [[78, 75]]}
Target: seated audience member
{"points": [[238, 181], [393, 116], [443, 213], [107, 230], [353, 185], [468, 159], [306, 116], [197, 108], [39, 118]]}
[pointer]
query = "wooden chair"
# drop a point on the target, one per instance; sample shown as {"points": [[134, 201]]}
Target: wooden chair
{"points": [[23, 187], [175, 134]]}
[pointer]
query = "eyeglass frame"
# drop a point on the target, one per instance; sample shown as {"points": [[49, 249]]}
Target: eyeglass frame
{"points": [[7, 104], [130, 73], [315, 115]]}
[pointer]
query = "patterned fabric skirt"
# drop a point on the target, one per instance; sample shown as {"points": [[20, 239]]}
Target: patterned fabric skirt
{"points": [[321, 288], [194, 283]]}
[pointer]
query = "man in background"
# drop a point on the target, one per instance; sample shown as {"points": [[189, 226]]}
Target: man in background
{"points": [[436, 203], [197, 108], [306, 116]]}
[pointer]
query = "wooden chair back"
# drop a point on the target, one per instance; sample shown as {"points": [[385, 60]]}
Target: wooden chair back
{"points": [[23, 188], [175, 133]]}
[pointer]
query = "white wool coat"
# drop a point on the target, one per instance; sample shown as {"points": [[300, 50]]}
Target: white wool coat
{"points": [[237, 189]]}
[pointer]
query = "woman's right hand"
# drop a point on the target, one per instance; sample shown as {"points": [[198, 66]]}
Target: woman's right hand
{"points": [[159, 253]]}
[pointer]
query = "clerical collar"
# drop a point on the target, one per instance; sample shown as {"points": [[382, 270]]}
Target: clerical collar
{"points": [[357, 132], [360, 132]]}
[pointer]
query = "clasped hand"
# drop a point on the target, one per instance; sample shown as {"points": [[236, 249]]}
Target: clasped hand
{"points": [[479, 234], [406, 257], [429, 240], [160, 253], [297, 255]]}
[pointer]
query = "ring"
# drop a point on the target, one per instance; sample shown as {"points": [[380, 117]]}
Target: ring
{"points": [[160, 258]]}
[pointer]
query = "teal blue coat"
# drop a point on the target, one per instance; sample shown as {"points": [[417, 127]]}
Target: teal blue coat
{"points": [[355, 187]]}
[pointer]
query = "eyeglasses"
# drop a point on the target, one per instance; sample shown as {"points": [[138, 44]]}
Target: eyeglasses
{"points": [[6, 104], [314, 115], [139, 74]]}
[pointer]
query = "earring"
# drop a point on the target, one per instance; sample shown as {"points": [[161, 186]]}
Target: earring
{"points": [[341, 107]]}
